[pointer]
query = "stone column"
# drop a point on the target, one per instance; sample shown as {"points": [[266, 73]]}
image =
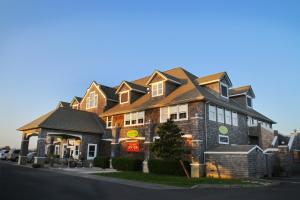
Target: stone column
{"points": [[24, 150], [149, 133], [198, 163], [115, 144], [41, 145]]}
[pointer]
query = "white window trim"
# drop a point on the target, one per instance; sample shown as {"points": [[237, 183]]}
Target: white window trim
{"points": [[226, 122], [88, 157], [224, 136], [137, 120], [223, 84], [220, 108], [187, 113], [215, 113], [237, 118], [157, 83], [247, 102], [120, 96], [112, 118], [95, 100]]}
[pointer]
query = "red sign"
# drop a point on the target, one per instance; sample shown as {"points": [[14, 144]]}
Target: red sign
{"points": [[133, 147]]}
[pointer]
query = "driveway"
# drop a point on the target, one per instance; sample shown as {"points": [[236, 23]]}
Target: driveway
{"points": [[27, 183]]}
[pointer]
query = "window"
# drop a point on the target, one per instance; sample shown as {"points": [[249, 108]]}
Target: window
{"points": [[221, 115], [228, 117], [57, 150], [75, 106], [109, 121], [92, 101], [124, 97], [212, 113], [249, 102], [127, 119], [176, 113], [76, 150], [136, 118], [92, 151], [234, 119], [249, 121], [224, 90], [223, 139], [157, 89], [254, 121]]}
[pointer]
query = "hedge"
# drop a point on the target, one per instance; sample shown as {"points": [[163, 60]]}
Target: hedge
{"points": [[102, 162], [168, 167], [127, 164]]}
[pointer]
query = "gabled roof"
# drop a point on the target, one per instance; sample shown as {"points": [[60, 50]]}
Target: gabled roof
{"points": [[214, 78], [133, 87], [68, 120], [243, 90], [188, 91], [106, 91], [63, 104], [109, 92], [75, 98], [166, 76]]}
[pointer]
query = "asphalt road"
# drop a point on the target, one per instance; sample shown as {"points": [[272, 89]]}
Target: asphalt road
{"points": [[26, 183]]}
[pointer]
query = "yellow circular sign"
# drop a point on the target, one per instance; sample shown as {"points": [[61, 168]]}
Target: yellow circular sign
{"points": [[132, 133], [223, 130]]}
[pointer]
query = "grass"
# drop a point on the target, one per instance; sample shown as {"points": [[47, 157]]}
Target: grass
{"points": [[172, 180]]}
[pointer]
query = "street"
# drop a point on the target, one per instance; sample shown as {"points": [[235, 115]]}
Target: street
{"points": [[27, 183]]}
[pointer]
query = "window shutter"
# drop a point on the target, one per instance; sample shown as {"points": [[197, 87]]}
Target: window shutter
{"points": [[164, 115]]}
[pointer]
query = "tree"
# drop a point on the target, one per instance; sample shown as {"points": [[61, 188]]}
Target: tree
{"points": [[169, 145]]}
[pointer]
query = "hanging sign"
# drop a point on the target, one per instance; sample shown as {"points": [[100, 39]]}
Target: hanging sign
{"points": [[132, 133], [223, 130], [133, 147]]}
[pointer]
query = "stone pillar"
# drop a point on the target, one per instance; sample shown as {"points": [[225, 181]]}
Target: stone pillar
{"points": [[40, 150], [198, 163], [24, 150], [149, 133], [115, 144], [285, 160]]}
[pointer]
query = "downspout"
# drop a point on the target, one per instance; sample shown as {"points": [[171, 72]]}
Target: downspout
{"points": [[205, 127]]}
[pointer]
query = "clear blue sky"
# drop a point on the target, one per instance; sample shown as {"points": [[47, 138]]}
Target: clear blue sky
{"points": [[52, 50]]}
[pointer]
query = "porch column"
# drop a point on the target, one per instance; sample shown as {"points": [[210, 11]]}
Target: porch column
{"points": [[148, 139], [24, 150], [52, 146], [115, 144], [198, 163], [40, 150]]}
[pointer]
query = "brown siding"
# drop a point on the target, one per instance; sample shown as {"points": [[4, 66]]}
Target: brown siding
{"points": [[101, 101], [157, 78]]}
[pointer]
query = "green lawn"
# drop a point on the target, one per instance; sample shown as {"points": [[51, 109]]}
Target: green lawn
{"points": [[172, 180]]}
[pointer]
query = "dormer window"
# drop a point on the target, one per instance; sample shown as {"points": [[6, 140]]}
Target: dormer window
{"points": [[92, 100], [124, 97], [224, 90], [157, 89], [249, 102]]}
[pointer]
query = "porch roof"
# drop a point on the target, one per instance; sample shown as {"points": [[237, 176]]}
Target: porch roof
{"points": [[67, 119]]}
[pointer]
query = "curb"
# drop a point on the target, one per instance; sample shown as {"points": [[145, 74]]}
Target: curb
{"points": [[228, 186]]}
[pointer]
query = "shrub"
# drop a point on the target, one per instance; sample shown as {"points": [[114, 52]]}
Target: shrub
{"points": [[102, 162], [36, 165], [168, 167], [127, 164]]}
